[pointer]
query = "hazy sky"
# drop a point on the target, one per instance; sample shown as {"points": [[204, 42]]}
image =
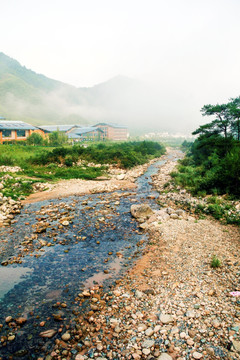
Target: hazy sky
{"points": [[189, 49]]}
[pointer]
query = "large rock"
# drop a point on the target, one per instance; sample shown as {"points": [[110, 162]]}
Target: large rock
{"points": [[142, 211], [164, 356], [48, 333], [236, 345], [166, 318]]}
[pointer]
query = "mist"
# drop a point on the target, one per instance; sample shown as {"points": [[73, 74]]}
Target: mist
{"points": [[173, 58]]}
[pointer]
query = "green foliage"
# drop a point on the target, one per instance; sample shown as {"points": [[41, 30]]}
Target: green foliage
{"points": [[68, 161], [57, 138], [6, 160], [186, 145], [35, 139], [212, 163], [126, 154], [50, 164], [215, 210], [16, 188], [215, 262]]}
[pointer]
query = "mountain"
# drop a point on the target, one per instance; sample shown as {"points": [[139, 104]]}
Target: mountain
{"points": [[26, 95], [37, 99]]}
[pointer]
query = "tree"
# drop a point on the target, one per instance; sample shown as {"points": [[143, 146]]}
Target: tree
{"points": [[57, 138], [35, 139], [223, 117]]}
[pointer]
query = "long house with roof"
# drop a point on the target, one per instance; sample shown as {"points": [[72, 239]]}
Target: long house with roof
{"points": [[16, 130]]}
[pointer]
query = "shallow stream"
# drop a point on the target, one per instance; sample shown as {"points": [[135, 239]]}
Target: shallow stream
{"points": [[99, 243]]}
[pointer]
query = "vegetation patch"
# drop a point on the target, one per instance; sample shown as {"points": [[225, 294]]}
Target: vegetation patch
{"points": [[43, 163], [215, 262], [15, 187], [212, 163]]}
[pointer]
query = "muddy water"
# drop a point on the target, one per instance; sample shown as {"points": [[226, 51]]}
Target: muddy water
{"points": [[97, 246]]}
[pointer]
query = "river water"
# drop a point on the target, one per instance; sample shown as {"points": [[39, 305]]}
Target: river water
{"points": [[99, 244]]}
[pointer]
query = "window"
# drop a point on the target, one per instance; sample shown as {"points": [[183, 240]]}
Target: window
{"points": [[21, 133], [6, 133]]}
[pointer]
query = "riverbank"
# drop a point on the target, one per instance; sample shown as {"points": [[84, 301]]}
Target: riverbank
{"points": [[116, 179], [172, 304]]}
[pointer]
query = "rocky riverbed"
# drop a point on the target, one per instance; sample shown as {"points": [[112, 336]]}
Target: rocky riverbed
{"points": [[170, 305]]}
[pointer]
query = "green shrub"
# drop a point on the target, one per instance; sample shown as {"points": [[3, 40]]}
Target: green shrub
{"points": [[215, 262], [6, 160], [68, 161], [35, 139], [215, 210]]}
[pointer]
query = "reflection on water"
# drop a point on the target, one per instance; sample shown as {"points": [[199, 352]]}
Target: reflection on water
{"points": [[10, 276]]}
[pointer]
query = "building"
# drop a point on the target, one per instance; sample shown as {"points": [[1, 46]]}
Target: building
{"points": [[19, 130], [62, 128], [75, 132], [16, 130], [113, 131], [89, 133]]}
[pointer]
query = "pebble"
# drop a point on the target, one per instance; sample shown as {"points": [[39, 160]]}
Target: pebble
{"points": [[148, 344], [8, 319], [236, 345], [79, 357], [11, 337], [196, 355], [164, 356], [166, 319], [48, 333], [149, 332], [66, 336], [146, 351]]}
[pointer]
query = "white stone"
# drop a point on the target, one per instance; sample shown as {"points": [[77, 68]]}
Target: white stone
{"points": [[166, 318], [197, 355], [149, 332], [164, 356], [146, 351]]}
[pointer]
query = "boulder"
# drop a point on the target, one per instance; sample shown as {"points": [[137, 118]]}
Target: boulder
{"points": [[142, 211]]}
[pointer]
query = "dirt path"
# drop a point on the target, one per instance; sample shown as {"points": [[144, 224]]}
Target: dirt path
{"points": [[172, 304]]}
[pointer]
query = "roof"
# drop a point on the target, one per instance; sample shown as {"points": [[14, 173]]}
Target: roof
{"points": [[73, 136], [85, 130], [51, 128], [112, 125], [15, 125]]}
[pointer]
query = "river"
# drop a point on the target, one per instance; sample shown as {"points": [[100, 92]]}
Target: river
{"points": [[101, 240]]}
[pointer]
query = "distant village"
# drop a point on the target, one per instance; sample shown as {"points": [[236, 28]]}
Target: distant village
{"points": [[20, 131]]}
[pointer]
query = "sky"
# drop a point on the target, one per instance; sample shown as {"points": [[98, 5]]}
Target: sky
{"points": [[187, 50]]}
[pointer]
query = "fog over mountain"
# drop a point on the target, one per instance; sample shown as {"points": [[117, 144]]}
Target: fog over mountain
{"points": [[142, 106]]}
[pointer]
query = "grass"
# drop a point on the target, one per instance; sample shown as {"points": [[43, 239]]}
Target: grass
{"points": [[15, 187], [40, 163], [215, 262]]}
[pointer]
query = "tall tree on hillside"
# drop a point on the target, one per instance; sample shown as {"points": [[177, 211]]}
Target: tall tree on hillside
{"points": [[222, 122]]}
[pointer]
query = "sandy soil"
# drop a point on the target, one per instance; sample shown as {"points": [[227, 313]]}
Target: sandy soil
{"points": [[72, 187]]}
